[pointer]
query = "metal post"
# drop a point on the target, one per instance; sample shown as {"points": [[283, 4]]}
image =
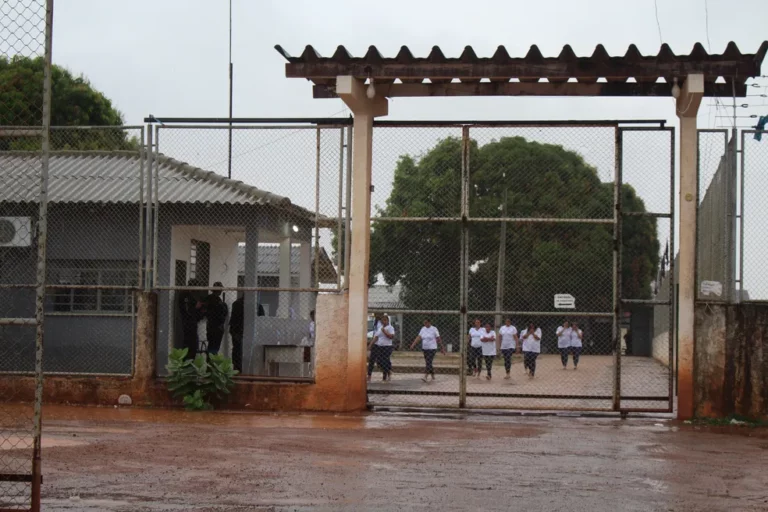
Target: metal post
{"points": [[502, 262], [142, 156], [317, 209], [672, 307], [231, 80], [148, 209], [741, 221], [42, 240], [617, 271], [156, 215], [339, 213], [348, 202], [465, 146]]}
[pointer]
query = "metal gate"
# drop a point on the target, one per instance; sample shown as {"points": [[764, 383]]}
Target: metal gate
{"points": [[522, 223]]}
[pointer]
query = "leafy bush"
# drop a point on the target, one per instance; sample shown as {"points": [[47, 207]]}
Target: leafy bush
{"points": [[200, 381]]}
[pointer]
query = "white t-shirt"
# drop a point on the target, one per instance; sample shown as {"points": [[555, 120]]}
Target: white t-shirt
{"points": [[312, 330], [575, 339], [381, 339], [508, 334], [474, 337], [429, 337], [564, 337], [489, 347], [531, 344]]}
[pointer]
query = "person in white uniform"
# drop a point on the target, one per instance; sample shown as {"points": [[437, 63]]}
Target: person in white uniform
{"points": [[577, 339], [509, 339], [429, 337], [489, 348], [381, 349], [564, 333], [475, 360], [531, 347]]}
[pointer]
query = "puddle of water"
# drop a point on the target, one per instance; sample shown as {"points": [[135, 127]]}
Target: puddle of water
{"points": [[16, 442]]}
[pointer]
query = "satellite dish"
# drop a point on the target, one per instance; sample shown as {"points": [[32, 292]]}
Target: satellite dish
{"points": [[7, 231]]}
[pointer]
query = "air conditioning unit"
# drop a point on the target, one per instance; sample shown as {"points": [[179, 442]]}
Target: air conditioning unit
{"points": [[16, 232]]}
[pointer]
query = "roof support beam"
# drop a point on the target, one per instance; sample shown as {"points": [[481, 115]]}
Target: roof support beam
{"points": [[534, 89]]}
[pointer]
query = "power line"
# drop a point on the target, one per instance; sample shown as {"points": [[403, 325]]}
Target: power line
{"points": [[658, 25]]}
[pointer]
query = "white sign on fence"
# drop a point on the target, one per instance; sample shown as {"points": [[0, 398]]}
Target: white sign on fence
{"points": [[565, 301], [711, 288]]}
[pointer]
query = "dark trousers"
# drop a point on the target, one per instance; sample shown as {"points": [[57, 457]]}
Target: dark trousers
{"points": [[237, 351], [190, 339], [429, 357], [507, 353], [214, 336], [529, 360], [564, 355], [475, 358], [381, 356], [576, 351], [488, 363]]}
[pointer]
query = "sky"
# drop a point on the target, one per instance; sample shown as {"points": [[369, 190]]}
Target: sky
{"points": [[170, 58]]}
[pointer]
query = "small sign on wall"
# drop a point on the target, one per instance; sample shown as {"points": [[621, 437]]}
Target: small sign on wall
{"points": [[565, 301], [711, 288]]}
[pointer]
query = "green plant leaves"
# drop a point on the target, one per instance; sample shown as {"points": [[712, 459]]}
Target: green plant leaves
{"points": [[199, 381]]}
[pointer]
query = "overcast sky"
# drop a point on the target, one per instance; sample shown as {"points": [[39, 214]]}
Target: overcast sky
{"points": [[170, 58]]}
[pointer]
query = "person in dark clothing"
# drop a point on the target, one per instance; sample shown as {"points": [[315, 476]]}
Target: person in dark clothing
{"points": [[236, 322], [190, 312], [216, 314]]}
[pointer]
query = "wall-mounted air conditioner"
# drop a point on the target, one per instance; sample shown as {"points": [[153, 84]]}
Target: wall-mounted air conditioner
{"points": [[16, 232]]}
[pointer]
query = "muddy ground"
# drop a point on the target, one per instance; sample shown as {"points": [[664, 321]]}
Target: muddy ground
{"points": [[139, 460]]}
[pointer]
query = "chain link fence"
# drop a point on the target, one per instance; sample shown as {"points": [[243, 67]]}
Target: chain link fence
{"points": [[25, 30], [243, 244], [487, 225], [752, 233]]}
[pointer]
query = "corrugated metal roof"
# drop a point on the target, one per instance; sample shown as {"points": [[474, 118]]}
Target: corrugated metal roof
{"points": [[114, 177], [470, 69], [269, 262], [385, 297]]}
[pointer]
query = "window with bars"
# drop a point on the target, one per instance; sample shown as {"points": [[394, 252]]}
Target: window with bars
{"points": [[91, 273]]}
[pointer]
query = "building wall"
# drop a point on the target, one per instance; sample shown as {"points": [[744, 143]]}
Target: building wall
{"points": [[74, 342]]}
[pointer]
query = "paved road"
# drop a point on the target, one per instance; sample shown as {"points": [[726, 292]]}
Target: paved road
{"points": [[141, 461]]}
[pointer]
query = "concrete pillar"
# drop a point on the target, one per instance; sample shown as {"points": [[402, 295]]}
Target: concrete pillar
{"points": [[253, 361], [687, 108], [284, 298], [306, 265], [145, 354], [353, 92]]}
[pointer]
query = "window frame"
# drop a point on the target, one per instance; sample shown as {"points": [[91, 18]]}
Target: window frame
{"points": [[64, 301]]}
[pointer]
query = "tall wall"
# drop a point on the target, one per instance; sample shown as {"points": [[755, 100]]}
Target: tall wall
{"points": [[731, 360]]}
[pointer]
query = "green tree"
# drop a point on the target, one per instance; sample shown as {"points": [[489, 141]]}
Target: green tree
{"points": [[542, 258], [74, 102]]}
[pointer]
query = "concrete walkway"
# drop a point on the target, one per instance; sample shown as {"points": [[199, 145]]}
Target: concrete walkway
{"points": [[640, 377]]}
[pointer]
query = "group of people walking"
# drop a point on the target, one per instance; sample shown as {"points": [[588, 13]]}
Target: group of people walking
{"points": [[482, 347]]}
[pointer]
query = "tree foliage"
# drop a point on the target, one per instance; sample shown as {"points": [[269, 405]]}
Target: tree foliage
{"points": [[74, 102], [542, 258]]}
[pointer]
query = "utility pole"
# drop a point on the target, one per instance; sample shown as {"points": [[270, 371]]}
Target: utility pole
{"points": [[231, 67]]}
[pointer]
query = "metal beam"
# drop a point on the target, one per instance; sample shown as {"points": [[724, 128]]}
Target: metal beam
{"points": [[535, 89], [586, 69]]}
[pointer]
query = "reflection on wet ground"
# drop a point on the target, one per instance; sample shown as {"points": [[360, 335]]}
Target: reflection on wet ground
{"points": [[153, 460]]}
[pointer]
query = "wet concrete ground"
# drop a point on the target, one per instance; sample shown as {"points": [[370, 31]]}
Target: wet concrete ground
{"points": [[138, 460]]}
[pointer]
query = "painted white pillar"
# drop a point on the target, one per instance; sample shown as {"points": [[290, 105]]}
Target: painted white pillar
{"points": [[305, 278], [253, 354], [353, 92], [284, 298], [687, 108]]}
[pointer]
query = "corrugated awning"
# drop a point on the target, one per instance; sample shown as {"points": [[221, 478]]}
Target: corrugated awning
{"points": [[599, 74]]}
